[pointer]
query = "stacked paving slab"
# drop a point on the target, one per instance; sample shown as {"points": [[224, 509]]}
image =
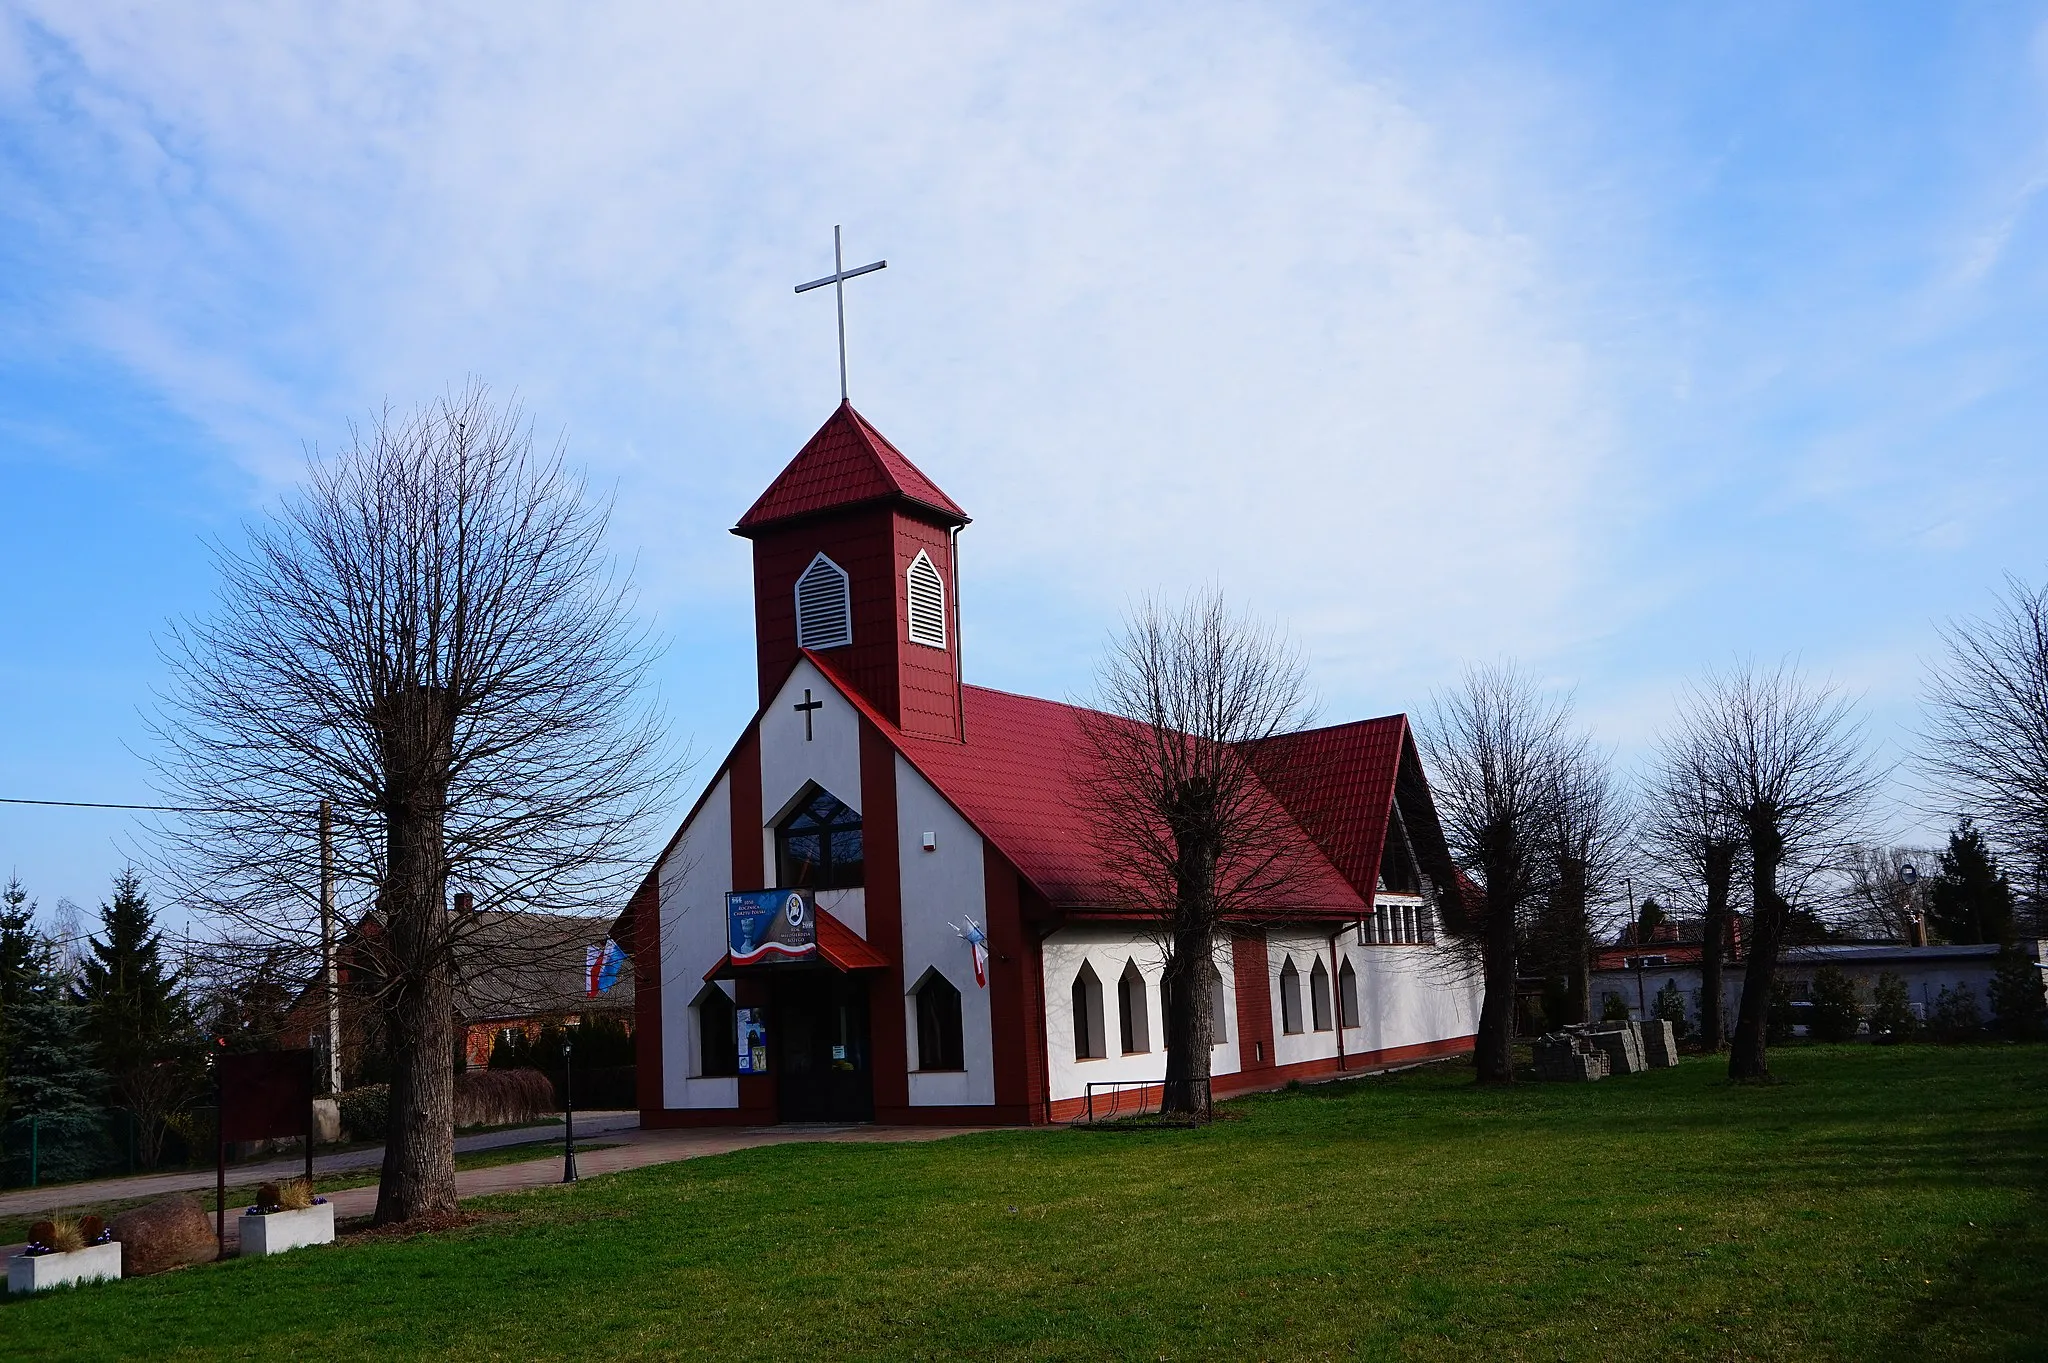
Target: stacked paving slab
{"points": [[1660, 1043], [1597, 1050], [1569, 1057]]}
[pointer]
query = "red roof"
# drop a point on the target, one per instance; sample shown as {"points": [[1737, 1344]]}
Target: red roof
{"points": [[846, 463], [1019, 780], [1338, 783]]}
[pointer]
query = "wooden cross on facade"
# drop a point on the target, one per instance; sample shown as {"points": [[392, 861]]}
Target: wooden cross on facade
{"points": [[837, 279], [808, 706]]}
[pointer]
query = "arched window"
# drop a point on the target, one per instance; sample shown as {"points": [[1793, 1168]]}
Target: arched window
{"points": [[717, 1041], [1087, 1015], [938, 1024], [818, 847], [1219, 1013], [824, 606], [927, 602], [1347, 995], [1290, 997], [1319, 996], [1133, 1018]]}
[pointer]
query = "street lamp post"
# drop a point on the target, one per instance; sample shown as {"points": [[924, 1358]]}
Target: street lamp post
{"points": [[568, 1112]]}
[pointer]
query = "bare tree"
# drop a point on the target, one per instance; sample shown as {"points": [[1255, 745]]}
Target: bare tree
{"points": [[1175, 803], [1786, 759], [1877, 901], [1986, 741], [1587, 842], [1697, 840], [1498, 747], [429, 635]]}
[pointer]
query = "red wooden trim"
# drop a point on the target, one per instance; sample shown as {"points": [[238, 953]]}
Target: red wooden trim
{"points": [[888, 1038], [1010, 995], [645, 907], [1248, 967], [745, 814]]}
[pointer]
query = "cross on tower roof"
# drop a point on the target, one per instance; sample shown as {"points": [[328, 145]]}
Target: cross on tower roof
{"points": [[837, 279]]}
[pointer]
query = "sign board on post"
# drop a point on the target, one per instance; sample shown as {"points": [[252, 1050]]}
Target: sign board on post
{"points": [[771, 926], [260, 1095]]}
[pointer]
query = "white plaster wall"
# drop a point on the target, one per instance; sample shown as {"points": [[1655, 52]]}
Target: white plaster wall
{"points": [[693, 881], [941, 888], [1305, 949], [831, 757], [1408, 995], [1107, 949]]}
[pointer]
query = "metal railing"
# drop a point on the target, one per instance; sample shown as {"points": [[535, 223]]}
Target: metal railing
{"points": [[1140, 1098]]}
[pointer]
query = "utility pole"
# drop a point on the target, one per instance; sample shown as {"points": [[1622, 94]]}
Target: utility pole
{"points": [[330, 971]]}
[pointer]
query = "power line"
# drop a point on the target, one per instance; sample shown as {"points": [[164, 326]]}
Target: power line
{"points": [[157, 809]]}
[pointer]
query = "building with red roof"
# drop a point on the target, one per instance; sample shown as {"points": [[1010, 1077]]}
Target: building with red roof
{"points": [[888, 904]]}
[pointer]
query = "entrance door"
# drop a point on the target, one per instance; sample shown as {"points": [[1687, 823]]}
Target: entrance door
{"points": [[820, 1034]]}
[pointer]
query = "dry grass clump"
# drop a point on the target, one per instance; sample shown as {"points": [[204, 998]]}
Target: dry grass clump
{"points": [[295, 1195], [63, 1234], [501, 1097]]}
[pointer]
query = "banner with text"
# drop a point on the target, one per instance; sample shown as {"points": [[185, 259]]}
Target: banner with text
{"points": [[769, 926]]}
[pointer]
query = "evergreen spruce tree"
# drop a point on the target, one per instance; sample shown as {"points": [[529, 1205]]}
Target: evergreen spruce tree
{"points": [[52, 1081], [18, 967], [1969, 900], [140, 1021]]}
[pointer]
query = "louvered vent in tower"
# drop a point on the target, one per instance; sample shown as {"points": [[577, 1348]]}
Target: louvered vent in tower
{"points": [[927, 602], [824, 607]]}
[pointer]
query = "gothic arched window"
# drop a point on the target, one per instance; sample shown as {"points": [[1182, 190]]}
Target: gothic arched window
{"points": [[1290, 997], [818, 847], [939, 1045]]}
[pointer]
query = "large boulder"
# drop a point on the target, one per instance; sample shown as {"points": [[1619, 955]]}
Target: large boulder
{"points": [[167, 1234]]}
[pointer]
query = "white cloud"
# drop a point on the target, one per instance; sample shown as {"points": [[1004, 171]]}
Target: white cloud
{"points": [[1174, 294]]}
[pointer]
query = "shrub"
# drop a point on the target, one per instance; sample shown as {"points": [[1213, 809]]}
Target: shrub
{"points": [[500, 1097], [1781, 1018], [2017, 1002], [366, 1111], [295, 1194], [1670, 1005], [1955, 1015], [1836, 1013], [1891, 1011], [1613, 1007]]}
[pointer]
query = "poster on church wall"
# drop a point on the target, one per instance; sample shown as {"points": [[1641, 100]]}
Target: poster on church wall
{"points": [[753, 1037], [767, 926]]}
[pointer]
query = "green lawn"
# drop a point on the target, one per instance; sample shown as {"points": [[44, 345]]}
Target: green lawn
{"points": [[1879, 1203]]}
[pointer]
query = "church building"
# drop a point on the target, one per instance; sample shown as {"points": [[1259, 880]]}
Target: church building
{"points": [[885, 904]]}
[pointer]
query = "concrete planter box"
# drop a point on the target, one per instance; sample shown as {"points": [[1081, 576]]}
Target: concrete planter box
{"points": [[34, 1273], [276, 1232]]}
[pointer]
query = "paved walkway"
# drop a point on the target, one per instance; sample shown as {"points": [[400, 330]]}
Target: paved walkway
{"points": [[631, 1148], [66, 1196]]}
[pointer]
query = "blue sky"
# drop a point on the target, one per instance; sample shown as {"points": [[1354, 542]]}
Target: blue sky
{"points": [[1618, 339]]}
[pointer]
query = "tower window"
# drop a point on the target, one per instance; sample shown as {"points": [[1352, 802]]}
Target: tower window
{"points": [[927, 602], [938, 1024], [818, 847], [824, 606]]}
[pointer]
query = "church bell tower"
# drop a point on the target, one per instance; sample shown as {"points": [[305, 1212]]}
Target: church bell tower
{"points": [[854, 561]]}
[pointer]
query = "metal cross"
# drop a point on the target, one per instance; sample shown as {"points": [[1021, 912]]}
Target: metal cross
{"points": [[807, 707], [837, 279]]}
